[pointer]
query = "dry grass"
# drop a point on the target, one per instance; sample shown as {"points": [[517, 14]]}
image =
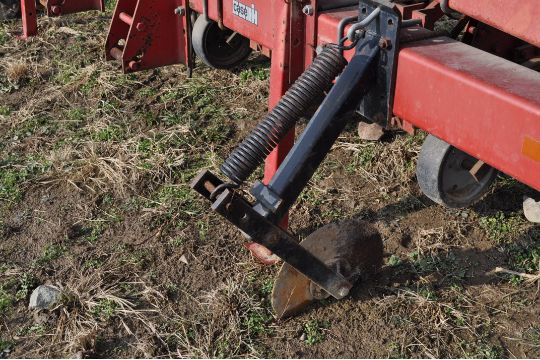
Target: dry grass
{"points": [[95, 299]]}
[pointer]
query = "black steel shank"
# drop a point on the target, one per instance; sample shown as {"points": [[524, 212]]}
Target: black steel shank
{"points": [[364, 81]]}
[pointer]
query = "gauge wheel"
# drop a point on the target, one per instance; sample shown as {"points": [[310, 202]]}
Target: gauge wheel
{"points": [[9, 9], [451, 177], [218, 48]]}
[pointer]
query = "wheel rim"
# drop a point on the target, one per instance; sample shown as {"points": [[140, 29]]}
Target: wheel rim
{"points": [[221, 46], [458, 185]]}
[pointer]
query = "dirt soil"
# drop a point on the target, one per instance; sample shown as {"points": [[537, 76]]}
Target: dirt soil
{"points": [[94, 198]]}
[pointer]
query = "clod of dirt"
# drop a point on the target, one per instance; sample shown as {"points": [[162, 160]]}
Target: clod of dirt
{"points": [[370, 132], [44, 297], [531, 209]]}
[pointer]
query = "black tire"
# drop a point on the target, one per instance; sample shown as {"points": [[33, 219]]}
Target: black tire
{"points": [[9, 9], [210, 45], [443, 175]]}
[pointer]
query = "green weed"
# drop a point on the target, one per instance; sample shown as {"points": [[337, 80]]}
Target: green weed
{"points": [[104, 310], [257, 73], [314, 331], [36, 330], [51, 253], [267, 286], [6, 300], [26, 283], [4, 110], [256, 321], [11, 181], [499, 226], [524, 259], [394, 260], [110, 133], [444, 264], [4, 36]]}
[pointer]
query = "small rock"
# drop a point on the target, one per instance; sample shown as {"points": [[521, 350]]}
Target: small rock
{"points": [[183, 259], [44, 297], [370, 132], [303, 337], [531, 209]]}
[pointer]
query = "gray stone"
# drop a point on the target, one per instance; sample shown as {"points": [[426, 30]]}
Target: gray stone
{"points": [[531, 209], [44, 297], [370, 132]]}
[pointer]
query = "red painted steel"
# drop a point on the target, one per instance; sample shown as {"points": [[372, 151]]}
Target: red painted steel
{"points": [[269, 18], [480, 103], [54, 8], [519, 18], [29, 18], [146, 34], [63, 7]]}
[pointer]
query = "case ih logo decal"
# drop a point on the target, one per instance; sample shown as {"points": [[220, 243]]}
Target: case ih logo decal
{"points": [[248, 13]]}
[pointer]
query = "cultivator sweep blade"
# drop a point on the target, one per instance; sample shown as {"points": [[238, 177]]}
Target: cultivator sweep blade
{"points": [[352, 248]]}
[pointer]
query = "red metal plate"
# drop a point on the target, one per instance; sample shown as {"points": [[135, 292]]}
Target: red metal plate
{"points": [[29, 18], [257, 20], [480, 103], [63, 7], [155, 35], [519, 18]]}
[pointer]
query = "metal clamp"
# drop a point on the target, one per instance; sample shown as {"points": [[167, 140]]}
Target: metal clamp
{"points": [[352, 33]]}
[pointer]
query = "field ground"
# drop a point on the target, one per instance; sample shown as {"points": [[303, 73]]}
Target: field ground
{"points": [[94, 197]]}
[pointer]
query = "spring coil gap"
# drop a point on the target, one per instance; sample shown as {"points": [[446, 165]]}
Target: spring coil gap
{"points": [[308, 90]]}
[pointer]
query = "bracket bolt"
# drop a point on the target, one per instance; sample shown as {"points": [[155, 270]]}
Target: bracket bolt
{"points": [[343, 292], [56, 9], [180, 11], [385, 43], [308, 10]]}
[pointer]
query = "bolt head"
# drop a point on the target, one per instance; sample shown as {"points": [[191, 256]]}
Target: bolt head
{"points": [[385, 43], [56, 10], [180, 11], [308, 10], [343, 292]]}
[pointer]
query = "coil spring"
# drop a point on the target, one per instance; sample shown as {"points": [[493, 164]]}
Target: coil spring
{"points": [[306, 92]]}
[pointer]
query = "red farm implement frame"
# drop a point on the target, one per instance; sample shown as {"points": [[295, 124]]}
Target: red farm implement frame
{"points": [[478, 97], [53, 8]]}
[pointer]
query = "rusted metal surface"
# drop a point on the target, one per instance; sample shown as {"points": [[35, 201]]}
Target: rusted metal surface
{"points": [[518, 18], [147, 34], [478, 102], [353, 248], [531, 148]]}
